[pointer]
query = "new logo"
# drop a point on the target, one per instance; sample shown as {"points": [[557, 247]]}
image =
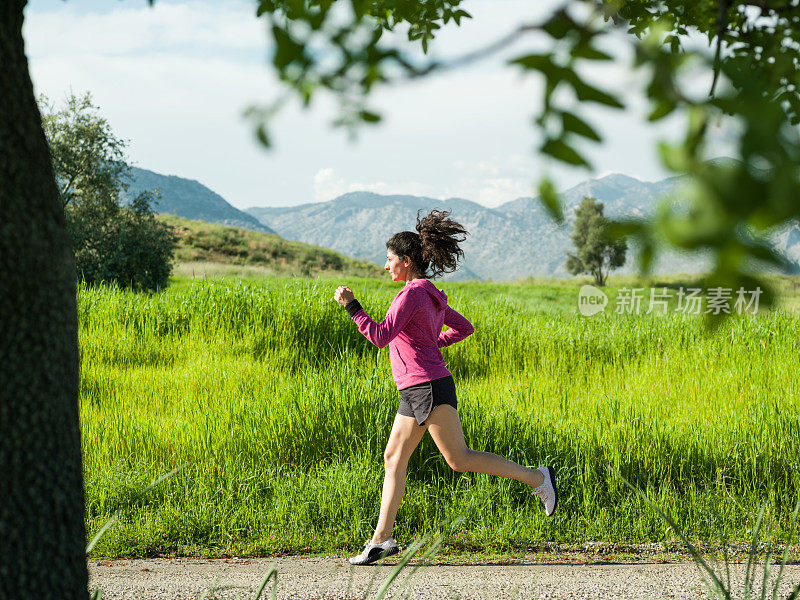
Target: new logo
{"points": [[591, 300]]}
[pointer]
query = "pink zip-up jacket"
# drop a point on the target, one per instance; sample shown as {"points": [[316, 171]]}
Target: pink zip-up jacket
{"points": [[413, 331]]}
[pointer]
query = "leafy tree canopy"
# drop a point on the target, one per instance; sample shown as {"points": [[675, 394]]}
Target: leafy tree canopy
{"points": [[126, 245], [89, 160], [341, 47]]}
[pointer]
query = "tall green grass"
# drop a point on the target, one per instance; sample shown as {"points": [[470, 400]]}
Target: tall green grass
{"points": [[282, 410]]}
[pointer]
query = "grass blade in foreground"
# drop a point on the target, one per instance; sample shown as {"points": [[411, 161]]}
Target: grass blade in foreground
{"points": [[692, 550], [409, 554], [719, 588], [786, 553], [748, 573], [112, 519], [272, 573]]}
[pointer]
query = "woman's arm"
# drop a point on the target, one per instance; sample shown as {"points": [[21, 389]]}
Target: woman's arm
{"points": [[459, 328], [400, 312]]}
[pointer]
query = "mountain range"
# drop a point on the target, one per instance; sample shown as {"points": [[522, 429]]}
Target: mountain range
{"points": [[190, 199], [514, 240]]}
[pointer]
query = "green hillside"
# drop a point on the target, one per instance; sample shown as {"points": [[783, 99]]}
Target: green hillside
{"points": [[191, 200], [212, 249]]}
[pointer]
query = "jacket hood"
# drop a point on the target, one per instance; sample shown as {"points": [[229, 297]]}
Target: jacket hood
{"points": [[439, 297]]}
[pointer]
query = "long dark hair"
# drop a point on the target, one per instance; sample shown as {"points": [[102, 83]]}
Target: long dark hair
{"points": [[434, 248]]}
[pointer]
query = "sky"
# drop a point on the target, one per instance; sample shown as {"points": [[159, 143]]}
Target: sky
{"points": [[175, 81]]}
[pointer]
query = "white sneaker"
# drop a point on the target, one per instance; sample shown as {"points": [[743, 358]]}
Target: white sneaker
{"points": [[547, 490], [373, 552]]}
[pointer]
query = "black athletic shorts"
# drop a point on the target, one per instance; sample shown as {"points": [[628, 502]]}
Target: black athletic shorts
{"points": [[419, 400]]}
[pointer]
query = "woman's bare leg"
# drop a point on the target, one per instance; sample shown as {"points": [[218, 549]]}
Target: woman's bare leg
{"points": [[404, 438], [445, 429]]}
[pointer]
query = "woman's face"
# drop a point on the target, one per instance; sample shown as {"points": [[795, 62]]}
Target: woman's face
{"points": [[397, 268]]}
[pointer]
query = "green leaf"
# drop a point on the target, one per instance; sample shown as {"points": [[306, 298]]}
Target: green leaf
{"points": [[551, 200], [617, 230], [561, 151], [261, 134], [369, 117], [588, 52], [461, 14], [646, 257], [576, 125], [587, 93], [316, 19], [763, 251], [265, 6], [560, 25], [359, 8], [286, 49], [674, 158], [698, 120], [661, 110], [297, 9], [543, 63], [674, 43]]}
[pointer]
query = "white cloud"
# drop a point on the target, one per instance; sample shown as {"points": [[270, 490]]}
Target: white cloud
{"points": [[491, 191], [413, 188], [495, 180], [327, 185], [517, 164], [486, 190]]}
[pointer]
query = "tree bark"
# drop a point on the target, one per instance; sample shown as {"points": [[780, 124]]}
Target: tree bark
{"points": [[42, 534]]}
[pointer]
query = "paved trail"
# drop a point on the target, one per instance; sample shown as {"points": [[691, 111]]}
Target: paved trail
{"points": [[306, 578]]}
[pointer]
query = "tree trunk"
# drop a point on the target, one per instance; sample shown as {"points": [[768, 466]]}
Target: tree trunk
{"points": [[598, 277], [42, 535]]}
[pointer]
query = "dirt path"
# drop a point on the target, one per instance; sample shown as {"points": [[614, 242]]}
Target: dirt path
{"points": [[305, 578]]}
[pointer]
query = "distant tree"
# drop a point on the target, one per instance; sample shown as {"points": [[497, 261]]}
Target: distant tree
{"points": [[112, 242], [595, 252]]}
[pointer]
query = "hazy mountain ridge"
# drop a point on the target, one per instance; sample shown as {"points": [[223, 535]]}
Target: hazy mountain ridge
{"points": [[514, 240], [786, 240], [190, 199]]}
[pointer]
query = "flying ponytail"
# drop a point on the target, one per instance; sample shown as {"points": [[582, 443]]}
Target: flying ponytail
{"points": [[434, 249]]}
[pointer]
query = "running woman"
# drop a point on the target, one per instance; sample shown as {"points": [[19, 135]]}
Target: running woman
{"points": [[413, 331]]}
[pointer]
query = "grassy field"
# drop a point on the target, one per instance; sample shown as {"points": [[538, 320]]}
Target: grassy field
{"points": [[281, 410]]}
